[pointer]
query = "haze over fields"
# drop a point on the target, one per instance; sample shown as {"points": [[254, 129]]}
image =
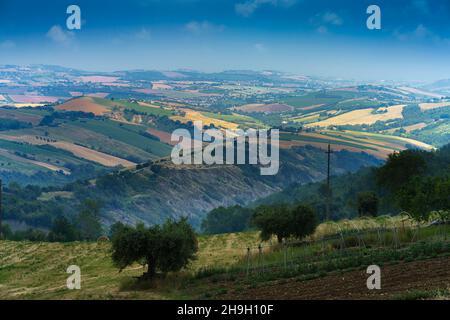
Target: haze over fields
{"points": [[96, 134]]}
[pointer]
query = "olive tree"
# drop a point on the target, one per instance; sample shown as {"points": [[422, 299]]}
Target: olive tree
{"points": [[165, 248]]}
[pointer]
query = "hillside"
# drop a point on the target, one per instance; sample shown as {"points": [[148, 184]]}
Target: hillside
{"points": [[47, 148], [162, 190], [345, 188]]}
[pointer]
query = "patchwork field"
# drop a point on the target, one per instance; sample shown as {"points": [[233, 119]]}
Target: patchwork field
{"points": [[265, 108], [408, 129], [21, 115], [363, 116], [77, 150], [431, 106], [379, 145], [191, 115]]}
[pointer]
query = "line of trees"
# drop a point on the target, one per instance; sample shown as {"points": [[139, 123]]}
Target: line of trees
{"points": [[86, 226]]}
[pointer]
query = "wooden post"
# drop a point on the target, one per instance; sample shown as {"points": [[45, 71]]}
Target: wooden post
{"points": [[248, 260], [260, 258]]}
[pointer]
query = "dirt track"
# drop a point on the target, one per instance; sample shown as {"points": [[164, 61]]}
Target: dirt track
{"points": [[395, 279]]}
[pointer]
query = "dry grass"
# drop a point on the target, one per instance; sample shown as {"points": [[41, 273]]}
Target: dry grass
{"points": [[431, 106], [363, 116], [191, 115], [84, 104], [38, 270]]}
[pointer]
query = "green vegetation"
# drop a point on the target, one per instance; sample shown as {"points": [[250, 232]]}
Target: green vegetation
{"points": [[243, 121], [140, 109], [368, 203], [37, 270], [284, 222], [317, 98], [11, 124], [133, 135], [167, 248], [413, 181], [227, 220]]}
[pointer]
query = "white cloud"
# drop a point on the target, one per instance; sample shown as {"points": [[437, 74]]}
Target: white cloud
{"points": [[199, 27], [58, 35], [332, 18], [248, 7], [325, 21], [7, 44], [421, 33]]}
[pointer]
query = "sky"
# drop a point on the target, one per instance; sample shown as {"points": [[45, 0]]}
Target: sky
{"points": [[327, 38]]}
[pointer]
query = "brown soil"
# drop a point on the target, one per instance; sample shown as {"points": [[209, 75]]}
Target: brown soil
{"points": [[84, 104], [395, 279]]}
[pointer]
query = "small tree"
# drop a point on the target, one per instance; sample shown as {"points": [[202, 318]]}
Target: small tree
{"points": [[303, 221], [368, 203], [88, 220], [283, 221], [272, 220], [165, 248], [62, 230]]}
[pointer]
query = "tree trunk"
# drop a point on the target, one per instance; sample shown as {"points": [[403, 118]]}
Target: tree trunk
{"points": [[151, 269], [279, 238]]}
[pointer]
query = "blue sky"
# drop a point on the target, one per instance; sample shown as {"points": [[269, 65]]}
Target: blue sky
{"points": [[312, 37]]}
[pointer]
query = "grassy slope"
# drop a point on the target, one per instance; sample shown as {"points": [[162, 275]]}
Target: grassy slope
{"points": [[37, 270]]}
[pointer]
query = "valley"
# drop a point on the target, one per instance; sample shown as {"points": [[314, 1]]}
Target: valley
{"points": [[96, 131]]}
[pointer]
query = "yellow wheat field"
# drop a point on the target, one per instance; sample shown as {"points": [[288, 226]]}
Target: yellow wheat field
{"points": [[431, 106], [363, 116], [191, 115]]}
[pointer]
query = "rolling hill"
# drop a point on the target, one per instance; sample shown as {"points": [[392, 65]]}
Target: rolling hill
{"points": [[159, 190]]}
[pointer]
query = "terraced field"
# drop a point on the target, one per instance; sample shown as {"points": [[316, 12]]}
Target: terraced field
{"points": [[379, 145], [363, 116]]}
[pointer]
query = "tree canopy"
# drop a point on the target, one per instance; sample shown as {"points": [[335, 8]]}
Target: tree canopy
{"points": [[284, 221], [165, 248]]}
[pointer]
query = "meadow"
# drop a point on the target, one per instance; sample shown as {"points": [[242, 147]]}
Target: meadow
{"points": [[224, 266]]}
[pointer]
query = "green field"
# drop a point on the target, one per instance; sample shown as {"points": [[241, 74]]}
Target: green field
{"points": [[243, 121], [316, 98], [126, 133]]}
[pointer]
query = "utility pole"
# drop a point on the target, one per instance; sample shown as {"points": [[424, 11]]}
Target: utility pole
{"points": [[328, 204], [1, 211]]}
